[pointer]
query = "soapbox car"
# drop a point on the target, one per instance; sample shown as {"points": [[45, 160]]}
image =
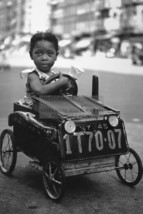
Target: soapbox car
{"points": [[69, 135]]}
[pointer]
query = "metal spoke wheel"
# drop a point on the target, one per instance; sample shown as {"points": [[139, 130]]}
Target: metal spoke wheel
{"points": [[129, 168], [53, 179], [8, 152]]}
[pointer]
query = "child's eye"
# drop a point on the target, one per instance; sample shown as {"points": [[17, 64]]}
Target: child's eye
{"points": [[50, 53], [38, 53]]}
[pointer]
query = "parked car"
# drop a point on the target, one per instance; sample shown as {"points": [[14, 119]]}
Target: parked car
{"points": [[4, 65]]}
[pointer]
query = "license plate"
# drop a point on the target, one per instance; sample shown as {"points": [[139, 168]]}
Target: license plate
{"points": [[91, 144]]}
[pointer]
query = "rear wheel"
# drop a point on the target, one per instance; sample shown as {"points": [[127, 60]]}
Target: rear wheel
{"points": [[53, 179], [8, 152], [129, 168]]}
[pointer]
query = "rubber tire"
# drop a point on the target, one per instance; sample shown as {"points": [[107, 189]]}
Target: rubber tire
{"points": [[140, 168], [8, 171], [61, 188]]}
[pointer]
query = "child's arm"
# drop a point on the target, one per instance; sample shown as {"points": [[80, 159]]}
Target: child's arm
{"points": [[47, 89]]}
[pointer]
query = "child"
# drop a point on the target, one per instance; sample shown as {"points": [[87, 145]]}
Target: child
{"points": [[43, 51]]}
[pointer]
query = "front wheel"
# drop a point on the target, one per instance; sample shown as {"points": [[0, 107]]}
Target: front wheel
{"points": [[53, 179], [129, 168], [8, 152]]}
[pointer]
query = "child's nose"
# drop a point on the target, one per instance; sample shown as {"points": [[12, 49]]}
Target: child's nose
{"points": [[44, 57]]}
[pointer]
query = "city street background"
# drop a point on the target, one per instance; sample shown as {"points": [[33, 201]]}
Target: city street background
{"points": [[105, 38]]}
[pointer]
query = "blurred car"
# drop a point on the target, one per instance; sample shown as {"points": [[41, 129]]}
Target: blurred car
{"points": [[4, 65], [137, 54]]}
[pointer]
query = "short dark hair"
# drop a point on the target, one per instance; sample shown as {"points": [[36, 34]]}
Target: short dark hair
{"points": [[48, 36]]}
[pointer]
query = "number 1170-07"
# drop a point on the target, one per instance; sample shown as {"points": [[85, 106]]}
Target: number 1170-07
{"points": [[113, 139]]}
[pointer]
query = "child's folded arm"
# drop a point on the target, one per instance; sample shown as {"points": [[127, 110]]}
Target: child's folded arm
{"points": [[47, 89]]}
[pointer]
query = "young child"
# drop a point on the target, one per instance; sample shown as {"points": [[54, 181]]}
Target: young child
{"points": [[43, 51]]}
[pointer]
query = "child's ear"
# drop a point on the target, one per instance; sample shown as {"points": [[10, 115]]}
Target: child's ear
{"points": [[30, 53]]}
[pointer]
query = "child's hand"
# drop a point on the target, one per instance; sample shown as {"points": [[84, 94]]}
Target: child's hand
{"points": [[51, 78], [63, 78], [67, 84], [60, 75]]}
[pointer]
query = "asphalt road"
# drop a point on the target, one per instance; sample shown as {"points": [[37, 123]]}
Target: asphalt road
{"points": [[98, 193]]}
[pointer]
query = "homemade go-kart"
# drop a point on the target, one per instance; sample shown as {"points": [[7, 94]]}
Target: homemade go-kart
{"points": [[69, 135]]}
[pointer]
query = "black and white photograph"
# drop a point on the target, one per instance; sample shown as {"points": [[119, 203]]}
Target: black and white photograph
{"points": [[71, 106]]}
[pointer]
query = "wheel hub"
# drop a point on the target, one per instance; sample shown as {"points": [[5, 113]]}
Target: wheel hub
{"points": [[128, 166]]}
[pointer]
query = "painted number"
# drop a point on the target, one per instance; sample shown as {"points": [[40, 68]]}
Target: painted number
{"points": [[98, 139], [119, 134], [111, 139]]}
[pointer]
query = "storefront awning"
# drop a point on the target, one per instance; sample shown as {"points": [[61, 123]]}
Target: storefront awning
{"points": [[64, 42], [83, 43]]}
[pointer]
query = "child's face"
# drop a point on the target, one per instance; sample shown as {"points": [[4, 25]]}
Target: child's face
{"points": [[44, 55]]}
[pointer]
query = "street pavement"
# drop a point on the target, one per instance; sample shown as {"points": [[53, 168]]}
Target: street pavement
{"points": [[99, 193]]}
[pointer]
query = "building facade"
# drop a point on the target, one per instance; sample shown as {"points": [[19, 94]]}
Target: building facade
{"points": [[94, 16], [106, 21], [8, 11], [21, 17], [72, 18], [100, 19]]}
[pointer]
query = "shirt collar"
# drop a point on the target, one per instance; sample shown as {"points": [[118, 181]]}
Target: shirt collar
{"points": [[42, 74]]}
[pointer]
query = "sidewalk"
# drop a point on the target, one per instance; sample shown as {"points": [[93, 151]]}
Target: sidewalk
{"points": [[99, 63], [115, 65]]}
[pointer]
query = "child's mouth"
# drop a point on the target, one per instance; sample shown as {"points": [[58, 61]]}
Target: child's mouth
{"points": [[44, 65]]}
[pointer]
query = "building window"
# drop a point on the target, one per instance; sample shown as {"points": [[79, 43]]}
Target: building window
{"points": [[105, 13]]}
